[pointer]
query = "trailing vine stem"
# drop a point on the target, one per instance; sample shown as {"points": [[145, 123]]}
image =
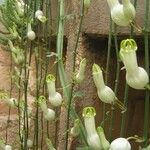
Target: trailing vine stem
{"points": [[74, 61], [67, 90], [47, 37]]}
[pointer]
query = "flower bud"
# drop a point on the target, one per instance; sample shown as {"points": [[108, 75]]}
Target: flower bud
{"points": [[30, 33], [75, 130], [81, 72], [105, 143]]}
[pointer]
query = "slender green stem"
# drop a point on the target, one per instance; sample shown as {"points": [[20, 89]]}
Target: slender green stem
{"points": [[20, 109], [116, 80], [147, 93], [8, 120], [60, 32], [123, 119], [107, 64], [108, 50]]}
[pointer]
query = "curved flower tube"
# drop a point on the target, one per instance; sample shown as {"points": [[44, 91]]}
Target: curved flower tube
{"points": [[105, 93], [120, 144], [89, 122], [75, 130], [40, 16], [30, 33], [122, 14], [48, 113], [55, 98], [42, 103], [105, 143], [136, 76], [81, 72]]}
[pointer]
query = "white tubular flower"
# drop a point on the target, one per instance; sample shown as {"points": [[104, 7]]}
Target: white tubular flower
{"points": [[105, 143], [136, 76], [120, 144], [29, 143], [89, 122], [40, 16], [75, 130], [49, 115], [8, 147], [12, 102], [81, 72], [42, 103], [30, 33], [104, 92], [122, 14], [55, 98]]}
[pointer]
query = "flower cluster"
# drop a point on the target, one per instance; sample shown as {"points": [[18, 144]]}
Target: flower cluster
{"points": [[122, 14]]}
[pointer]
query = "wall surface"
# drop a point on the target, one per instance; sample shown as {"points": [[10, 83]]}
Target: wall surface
{"points": [[96, 24]]}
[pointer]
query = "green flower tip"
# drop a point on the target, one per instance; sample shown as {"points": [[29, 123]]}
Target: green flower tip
{"points": [[41, 99], [128, 45], [100, 129], [43, 19], [96, 68], [50, 78], [89, 112], [87, 3], [3, 96]]}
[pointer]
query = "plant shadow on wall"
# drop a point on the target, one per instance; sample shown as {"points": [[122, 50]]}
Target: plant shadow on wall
{"points": [[40, 90]]}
